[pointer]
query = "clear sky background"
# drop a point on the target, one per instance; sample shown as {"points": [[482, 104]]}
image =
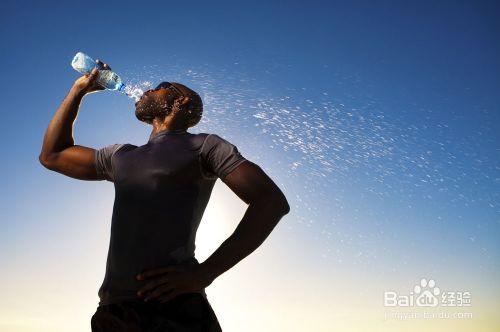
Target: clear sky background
{"points": [[379, 119]]}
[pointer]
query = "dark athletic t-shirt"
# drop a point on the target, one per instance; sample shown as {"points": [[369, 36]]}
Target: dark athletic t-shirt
{"points": [[161, 191]]}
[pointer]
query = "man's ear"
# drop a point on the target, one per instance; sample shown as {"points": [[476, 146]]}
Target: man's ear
{"points": [[182, 101]]}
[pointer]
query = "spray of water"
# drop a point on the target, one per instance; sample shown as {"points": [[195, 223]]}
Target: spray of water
{"points": [[135, 91]]}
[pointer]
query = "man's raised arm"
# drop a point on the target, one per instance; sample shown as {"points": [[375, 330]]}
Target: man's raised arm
{"points": [[59, 152]]}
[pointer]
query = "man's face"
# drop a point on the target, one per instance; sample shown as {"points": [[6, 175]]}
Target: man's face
{"points": [[154, 103]]}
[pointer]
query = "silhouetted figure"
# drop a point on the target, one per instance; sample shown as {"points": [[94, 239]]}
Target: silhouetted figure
{"points": [[153, 281]]}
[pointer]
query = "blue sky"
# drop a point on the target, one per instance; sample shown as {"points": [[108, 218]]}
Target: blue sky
{"points": [[379, 119]]}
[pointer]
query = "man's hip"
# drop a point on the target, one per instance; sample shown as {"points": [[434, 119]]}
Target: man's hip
{"points": [[186, 312]]}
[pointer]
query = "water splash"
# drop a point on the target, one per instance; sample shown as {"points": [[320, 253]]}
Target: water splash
{"points": [[135, 91]]}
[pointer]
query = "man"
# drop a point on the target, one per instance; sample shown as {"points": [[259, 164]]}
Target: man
{"points": [[153, 282]]}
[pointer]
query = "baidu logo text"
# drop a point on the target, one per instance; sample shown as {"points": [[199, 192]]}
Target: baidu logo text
{"points": [[427, 294]]}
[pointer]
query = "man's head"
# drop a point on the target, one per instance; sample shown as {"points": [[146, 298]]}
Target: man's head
{"points": [[170, 101]]}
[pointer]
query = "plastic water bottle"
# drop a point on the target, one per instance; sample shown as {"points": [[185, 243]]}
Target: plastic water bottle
{"points": [[107, 78]]}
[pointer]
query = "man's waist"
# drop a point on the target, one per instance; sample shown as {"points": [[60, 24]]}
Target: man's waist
{"points": [[118, 288], [128, 296]]}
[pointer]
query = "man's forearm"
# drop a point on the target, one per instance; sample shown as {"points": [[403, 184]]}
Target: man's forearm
{"points": [[258, 222], [59, 133]]}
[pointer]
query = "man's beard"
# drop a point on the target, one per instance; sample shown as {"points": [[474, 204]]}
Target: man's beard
{"points": [[148, 113]]}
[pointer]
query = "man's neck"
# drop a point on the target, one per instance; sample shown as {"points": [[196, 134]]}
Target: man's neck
{"points": [[165, 125]]}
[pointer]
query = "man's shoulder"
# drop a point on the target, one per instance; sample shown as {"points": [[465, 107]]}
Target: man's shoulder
{"points": [[124, 147], [199, 135], [198, 138], [127, 146], [204, 142], [212, 137]]}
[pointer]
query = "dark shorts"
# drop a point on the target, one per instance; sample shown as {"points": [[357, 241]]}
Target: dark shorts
{"points": [[186, 312]]}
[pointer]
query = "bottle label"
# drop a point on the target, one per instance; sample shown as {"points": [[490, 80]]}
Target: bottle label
{"points": [[108, 79], [107, 75]]}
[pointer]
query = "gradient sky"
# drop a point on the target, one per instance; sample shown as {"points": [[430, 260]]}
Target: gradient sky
{"points": [[380, 120]]}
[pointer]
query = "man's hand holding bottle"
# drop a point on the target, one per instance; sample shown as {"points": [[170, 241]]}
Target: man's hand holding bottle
{"points": [[88, 83]]}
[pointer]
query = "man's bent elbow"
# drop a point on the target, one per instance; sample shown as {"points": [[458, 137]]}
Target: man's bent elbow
{"points": [[280, 203], [46, 161], [285, 207]]}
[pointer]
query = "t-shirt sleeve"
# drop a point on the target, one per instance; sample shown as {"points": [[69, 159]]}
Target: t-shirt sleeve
{"points": [[219, 157], [103, 160]]}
